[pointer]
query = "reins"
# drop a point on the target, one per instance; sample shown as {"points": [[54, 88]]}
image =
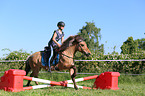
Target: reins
{"points": [[67, 56]]}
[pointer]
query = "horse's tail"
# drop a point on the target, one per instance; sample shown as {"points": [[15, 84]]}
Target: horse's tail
{"points": [[27, 68], [24, 63], [21, 67]]}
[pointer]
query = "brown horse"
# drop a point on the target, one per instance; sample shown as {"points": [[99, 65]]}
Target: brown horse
{"points": [[66, 54]]}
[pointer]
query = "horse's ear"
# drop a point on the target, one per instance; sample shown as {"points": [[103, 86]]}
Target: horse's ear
{"points": [[71, 41], [75, 39], [78, 38]]}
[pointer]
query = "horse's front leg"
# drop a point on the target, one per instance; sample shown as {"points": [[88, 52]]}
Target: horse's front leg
{"points": [[73, 75]]}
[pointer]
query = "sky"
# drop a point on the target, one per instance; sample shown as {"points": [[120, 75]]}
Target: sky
{"points": [[29, 24]]}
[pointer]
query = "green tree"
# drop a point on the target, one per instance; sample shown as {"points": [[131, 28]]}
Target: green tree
{"points": [[16, 55], [129, 46], [91, 35], [141, 43], [114, 52]]}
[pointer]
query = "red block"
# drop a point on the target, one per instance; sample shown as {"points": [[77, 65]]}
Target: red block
{"points": [[107, 80], [12, 80]]}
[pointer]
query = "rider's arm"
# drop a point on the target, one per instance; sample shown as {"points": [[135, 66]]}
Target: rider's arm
{"points": [[53, 38], [62, 39]]}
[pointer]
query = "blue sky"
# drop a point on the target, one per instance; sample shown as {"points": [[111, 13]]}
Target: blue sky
{"points": [[29, 24]]}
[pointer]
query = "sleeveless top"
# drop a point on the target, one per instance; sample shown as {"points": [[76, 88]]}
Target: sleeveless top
{"points": [[58, 37]]}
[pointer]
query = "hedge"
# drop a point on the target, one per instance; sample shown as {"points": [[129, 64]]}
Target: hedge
{"points": [[135, 67]]}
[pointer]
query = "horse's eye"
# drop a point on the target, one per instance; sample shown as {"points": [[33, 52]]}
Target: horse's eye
{"points": [[82, 45]]}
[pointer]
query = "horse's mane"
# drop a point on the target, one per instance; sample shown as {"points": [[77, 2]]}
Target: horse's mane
{"points": [[69, 41]]}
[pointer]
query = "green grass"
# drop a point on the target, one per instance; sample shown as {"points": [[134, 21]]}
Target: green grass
{"points": [[129, 86]]}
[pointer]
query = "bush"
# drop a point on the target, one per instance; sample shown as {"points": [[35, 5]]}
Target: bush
{"points": [[13, 55], [134, 67]]}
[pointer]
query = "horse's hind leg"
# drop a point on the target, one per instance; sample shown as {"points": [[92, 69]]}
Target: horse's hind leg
{"points": [[73, 75], [34, 74], [28, 84]]}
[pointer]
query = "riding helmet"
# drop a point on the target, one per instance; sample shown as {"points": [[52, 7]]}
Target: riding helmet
{"points": [[61, 23]]}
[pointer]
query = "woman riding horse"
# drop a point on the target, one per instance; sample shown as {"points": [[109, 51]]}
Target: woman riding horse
{"points": [[66, 58], [57, 35]]}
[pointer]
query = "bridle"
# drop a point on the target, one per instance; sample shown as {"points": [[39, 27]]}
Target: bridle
{"points": [[72, 57]]}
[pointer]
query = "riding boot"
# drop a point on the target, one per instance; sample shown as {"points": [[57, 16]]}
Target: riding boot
{"points": [[49, 69], [47, 61]]}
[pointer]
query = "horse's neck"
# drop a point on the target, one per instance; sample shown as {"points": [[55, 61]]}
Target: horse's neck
{"points": [[70, 51]]}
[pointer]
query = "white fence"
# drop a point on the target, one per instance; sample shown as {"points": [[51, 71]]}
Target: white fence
{"points": [[112, 60], [3, 61], [75, 60]]}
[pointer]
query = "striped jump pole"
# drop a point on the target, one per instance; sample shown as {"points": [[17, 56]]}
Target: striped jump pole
{"points": [[61, 83], [42, 81], [82, 79], [36, 87], [43, 86]]}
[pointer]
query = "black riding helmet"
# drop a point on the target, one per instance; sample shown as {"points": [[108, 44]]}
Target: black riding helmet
{"points": [[62, 24]]}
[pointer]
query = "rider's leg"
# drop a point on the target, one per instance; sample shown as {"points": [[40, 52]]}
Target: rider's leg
{"points": [[53, 57]]}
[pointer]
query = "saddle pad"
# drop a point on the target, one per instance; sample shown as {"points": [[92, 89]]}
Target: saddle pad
{"points": [[47, 64], [56, 60]]}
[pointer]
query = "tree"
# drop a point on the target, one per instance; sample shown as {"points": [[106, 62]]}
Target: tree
{"points": [[91, 35], [16, 55], [129, 46], [141, 43]]}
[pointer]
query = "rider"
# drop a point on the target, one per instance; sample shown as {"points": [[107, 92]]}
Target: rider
{"points": [[57, 35]]}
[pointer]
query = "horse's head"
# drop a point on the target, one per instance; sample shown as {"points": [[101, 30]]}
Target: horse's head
{"points": [[79, 42], [81, 45]]}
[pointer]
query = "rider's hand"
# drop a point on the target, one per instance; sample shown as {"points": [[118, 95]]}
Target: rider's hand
{"points": [[59, 45]]}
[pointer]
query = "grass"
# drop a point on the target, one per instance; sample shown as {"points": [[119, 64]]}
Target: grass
{"points": [[129, 86]]}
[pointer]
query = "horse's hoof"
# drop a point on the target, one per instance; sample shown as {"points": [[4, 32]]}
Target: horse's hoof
{"points": [[27, 85], [76, 88], [56, 68]]}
